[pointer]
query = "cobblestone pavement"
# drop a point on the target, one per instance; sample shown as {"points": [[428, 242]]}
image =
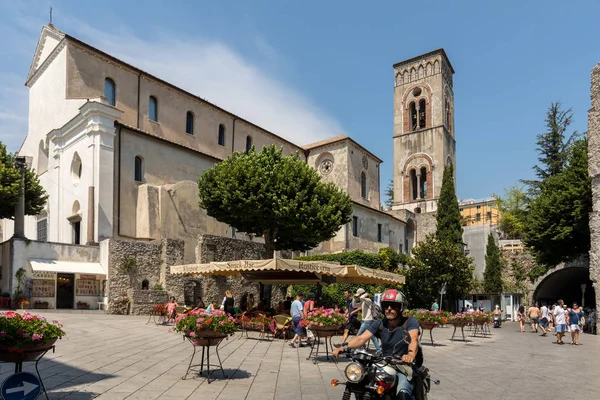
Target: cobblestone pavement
{"points": [[120, 357]]}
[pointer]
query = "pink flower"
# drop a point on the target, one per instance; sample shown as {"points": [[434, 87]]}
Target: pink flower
{"points": [[37, 337], [192, 334]]}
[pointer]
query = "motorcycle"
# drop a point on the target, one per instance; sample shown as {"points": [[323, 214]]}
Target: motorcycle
{"points": [[370, 376], [497, 321]]}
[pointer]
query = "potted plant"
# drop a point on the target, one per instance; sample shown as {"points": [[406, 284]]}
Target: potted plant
{"points": [[259, 323], [324, 322], [25, 337], [160, 309], [481, 318], [82, 306], [460, 319], [203, 329], [40, 304], [23, 303]]}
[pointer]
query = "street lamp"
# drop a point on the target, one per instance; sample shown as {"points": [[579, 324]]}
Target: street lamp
{"points": [[583, 286]]}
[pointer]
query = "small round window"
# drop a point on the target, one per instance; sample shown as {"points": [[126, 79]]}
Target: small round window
{"points": [[416, 92]]}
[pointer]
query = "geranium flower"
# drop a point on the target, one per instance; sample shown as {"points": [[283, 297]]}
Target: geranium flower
{"points": [[37, 336]]}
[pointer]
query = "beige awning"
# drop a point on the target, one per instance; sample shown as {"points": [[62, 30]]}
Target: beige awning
{"points": [[69, 267], [283, 271]]}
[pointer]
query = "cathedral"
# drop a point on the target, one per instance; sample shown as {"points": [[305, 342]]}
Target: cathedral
{"points": [[119, 152]]}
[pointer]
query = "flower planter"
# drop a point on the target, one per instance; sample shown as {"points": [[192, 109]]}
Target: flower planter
{"points": [[207, 338], [325, 331], [427, 324], [28, 352], [83, 306], [459, 324], [40, 306]]}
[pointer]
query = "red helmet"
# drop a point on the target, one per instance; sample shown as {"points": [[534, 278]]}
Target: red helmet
{"points": [[393, 296]]}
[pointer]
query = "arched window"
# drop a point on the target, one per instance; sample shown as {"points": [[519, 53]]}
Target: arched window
{"points": [[145, 284], [76, 168], [363, 185], [413, 116], [189, 123], [153, 109], [448, 116], [413, 184], [248, 143], [221, 135], [422, 116], [139, 169], [423, 183], [110, 91]]}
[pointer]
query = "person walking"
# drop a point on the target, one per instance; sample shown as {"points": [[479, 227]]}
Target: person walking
{"points": [[521, 317], [352, 322], [545, 317], [227, 303], [435, 306], [367, 314], [534, 315], [560, 321], [297, 311], [576, 320]]}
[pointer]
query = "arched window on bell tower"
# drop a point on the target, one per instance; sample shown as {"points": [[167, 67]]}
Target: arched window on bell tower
{"points": [[413, 184], [413, 116], [423, 183], [422, 114]]}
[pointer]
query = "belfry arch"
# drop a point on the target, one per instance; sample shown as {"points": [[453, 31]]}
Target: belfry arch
{"points": [[565, 282]]}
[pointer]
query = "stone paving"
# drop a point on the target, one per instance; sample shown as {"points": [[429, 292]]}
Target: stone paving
{"points": [[120, 357]]}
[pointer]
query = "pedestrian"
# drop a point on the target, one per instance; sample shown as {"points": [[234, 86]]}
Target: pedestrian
{"points": [[560, 320], [352, 322], [309, 305], [367, 314], [576, 320], [172, 307], [227, 303], [435, 306], [297, 311], [534, 315], [545, 317], [521, 317]]}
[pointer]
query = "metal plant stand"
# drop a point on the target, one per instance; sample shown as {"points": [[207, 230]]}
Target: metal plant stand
{"points": [[21, 357], [326, 335], [206, 343], [462, 331]]}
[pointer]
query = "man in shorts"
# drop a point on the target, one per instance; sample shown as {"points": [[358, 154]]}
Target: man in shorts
{"points": [[545, 317], [534, 315], [561, 321]]}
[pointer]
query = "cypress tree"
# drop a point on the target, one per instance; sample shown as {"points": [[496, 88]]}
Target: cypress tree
{"points": [[492, 276], [448, 213]]}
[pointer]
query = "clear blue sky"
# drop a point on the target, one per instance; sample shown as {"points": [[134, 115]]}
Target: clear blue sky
{"points": [[333, 61]]}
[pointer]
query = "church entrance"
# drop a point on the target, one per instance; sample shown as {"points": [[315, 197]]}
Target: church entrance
{"points": [[65, 291]]}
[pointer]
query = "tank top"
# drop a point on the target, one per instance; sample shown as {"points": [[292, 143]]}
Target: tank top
{"points": [[229, 301]]}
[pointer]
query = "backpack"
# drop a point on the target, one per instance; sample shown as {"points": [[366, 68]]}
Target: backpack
{"points": [[376, 311]]}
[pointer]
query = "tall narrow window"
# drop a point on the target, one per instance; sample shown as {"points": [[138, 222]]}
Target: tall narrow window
{"points": [[221, 135], [355, 226], [413, 116], [363, 185], [413, 184], [110, 91], [76, 226], [422, 116], [379, 232], [189, 123], [423, 182], [42, 230], [248, 143], [153, 109], [139, 169]]}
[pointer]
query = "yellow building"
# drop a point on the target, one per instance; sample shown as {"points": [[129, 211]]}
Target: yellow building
{"points": [[479, 212]]}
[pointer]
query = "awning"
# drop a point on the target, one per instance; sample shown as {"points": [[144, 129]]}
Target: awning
{"points": [[67, 267], [284, 271]]}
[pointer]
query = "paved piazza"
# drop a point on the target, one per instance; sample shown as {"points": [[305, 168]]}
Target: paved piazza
{"points": [[120, 357]]}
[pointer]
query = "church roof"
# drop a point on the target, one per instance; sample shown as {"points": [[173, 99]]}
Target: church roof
{"points": [[337, 139], [427, 55]]}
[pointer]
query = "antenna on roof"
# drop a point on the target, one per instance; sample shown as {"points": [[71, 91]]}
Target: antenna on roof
{"points": [[50, 23]]}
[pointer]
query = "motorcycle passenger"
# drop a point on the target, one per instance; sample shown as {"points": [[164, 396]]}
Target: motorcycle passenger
{"points": [[391, 333]]}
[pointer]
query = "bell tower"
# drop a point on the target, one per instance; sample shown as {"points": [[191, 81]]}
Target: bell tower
{"points": [[423, 130]]}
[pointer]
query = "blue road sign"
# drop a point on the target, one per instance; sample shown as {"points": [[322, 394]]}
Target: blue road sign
{"points": [[21, 386]]}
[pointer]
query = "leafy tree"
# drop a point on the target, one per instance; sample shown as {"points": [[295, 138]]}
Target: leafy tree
{"points": [[448, 214], [437, 262], [492, 276], [279, 197], [513, 211], [11, 189], [557, 227], [389, 192], [553, 146]]}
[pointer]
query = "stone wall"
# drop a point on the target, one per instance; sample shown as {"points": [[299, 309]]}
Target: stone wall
{"points": [[142, 301], [425, 225], [526, 261], [594, 170]]}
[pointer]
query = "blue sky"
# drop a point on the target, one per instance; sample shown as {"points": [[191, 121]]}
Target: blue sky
{"points": [[310, 70]]}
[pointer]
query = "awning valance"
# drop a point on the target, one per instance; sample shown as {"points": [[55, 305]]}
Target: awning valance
{"points": [[67, 267], [284, 271]]}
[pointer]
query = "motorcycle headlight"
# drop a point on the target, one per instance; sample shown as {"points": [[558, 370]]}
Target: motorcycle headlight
{"points": [[354, 372]]}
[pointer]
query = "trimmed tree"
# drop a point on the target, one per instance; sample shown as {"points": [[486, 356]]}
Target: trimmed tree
{"points": [[275, 196], [448, 213], [11, 188], [492, 276]]}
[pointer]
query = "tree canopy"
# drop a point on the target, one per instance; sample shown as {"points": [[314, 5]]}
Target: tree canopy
{"points": [[513, 211], [492, 276], [275, 196], [448, 213], [11, 189]]}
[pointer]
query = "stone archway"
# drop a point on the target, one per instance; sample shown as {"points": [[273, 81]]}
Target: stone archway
{"points": [[564, 282], [192, 291]]}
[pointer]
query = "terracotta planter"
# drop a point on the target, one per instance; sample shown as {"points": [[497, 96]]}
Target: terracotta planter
{"points": [[210, 334], [325, 331], [459, 324], [207, 338], [427, 325], [31, 351]]}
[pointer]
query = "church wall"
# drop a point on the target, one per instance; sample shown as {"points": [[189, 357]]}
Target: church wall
{"points": [[338, 154], [260, 139], [355, 168]]}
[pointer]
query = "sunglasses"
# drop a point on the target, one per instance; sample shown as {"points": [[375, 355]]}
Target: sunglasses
{"points": [[393, 306]]}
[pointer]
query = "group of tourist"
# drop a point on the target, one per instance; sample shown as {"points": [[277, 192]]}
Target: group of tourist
{"points": [[558, 317]]}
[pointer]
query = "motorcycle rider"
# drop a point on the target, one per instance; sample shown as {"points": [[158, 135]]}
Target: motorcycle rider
{"points": [[391, 331]]}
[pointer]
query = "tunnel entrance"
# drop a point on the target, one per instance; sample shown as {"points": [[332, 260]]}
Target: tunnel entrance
{"points": [[566, 284]]}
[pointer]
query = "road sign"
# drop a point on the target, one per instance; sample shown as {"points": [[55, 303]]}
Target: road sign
{"points": [[21, 386]]}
